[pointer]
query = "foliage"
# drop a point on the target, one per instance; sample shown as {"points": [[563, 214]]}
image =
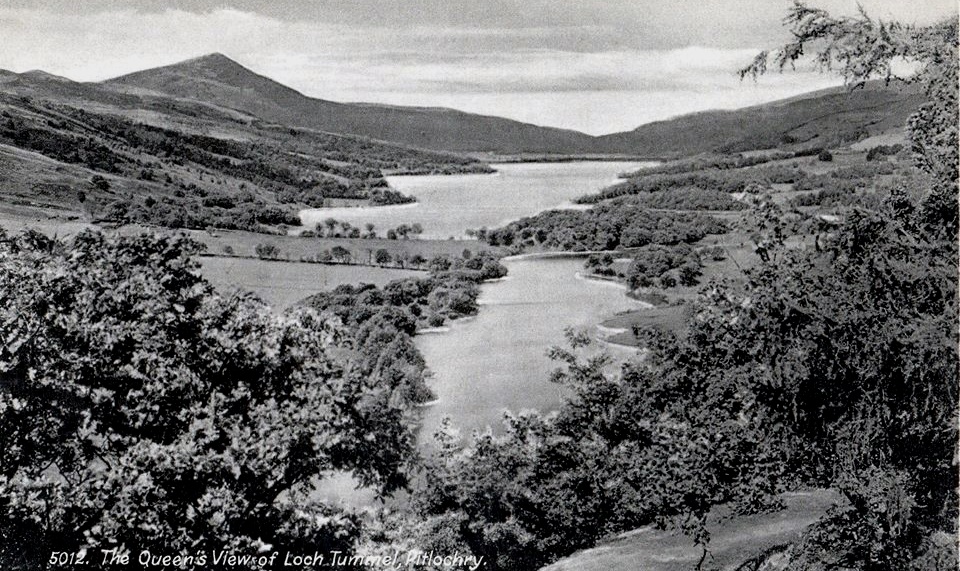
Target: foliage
{"points": [[881, 151], [600, 264], [141, 410], [699, 188], [651, 263], [690, 198], [267, 251], [606, 226], [719, 162]]}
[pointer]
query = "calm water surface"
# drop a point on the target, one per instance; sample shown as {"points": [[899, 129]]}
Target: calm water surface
{"points": [[497, 360], [449, 205]]}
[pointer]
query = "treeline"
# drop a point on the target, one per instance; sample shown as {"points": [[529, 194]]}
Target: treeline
{"points": [[333, 228], [656, 265], [449, 292], [725, 181], [689, 198], [243, 212], [722, 162], [723, 176], [608, 226]]}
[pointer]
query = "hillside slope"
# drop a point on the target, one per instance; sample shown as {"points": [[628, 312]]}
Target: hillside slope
{"points": [[821, 118], [218, 79], [148, 157]]}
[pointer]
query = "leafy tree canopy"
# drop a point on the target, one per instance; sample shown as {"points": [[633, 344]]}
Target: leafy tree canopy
{"points": [[141, 410]]}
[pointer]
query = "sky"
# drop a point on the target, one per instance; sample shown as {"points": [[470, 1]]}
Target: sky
{"points": [[597, 66]]}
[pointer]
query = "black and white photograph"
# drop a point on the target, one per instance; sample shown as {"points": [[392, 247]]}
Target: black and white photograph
{"points": [[484, 285]]}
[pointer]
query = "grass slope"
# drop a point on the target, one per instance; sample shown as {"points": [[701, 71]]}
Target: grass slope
{"points": [[733, 540]]}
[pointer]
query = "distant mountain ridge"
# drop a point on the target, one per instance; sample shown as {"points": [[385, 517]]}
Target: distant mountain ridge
{"points": [[218, 79], [825, 118]]}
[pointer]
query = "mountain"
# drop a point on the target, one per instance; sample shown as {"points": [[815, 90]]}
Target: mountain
{"points": [[218, 79], [823, 118]]}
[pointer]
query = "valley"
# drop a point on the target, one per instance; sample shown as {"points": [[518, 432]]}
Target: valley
{"points": [[238, 315]]}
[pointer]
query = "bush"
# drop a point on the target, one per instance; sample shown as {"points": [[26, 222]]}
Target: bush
{"points": [[267, 251]]}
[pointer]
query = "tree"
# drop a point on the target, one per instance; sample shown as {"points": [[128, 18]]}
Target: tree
{"points": [[688, 273], [440, 263], [267, 251], [99, 182], [341, 253], [141, 410], [383, 257], [331, 224]]}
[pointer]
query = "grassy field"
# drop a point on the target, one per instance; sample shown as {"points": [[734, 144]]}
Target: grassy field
{"points": [[296, 248], [282, 284], [734, 540], [279, 282]]}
